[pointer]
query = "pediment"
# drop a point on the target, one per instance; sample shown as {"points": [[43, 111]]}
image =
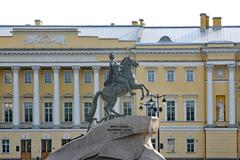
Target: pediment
{"points": [[27, 95], [7, 95], [67, 95], [47, 95], [87, 95]]}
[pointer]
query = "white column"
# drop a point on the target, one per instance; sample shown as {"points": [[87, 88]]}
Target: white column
{"points": [[56, 106], [232, 104], [16, 119], [117, 106], [76, 103], [96, 88], [36, 109], [209, 95]]}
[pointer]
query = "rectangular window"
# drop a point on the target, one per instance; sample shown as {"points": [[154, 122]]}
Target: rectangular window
{"points": [[170, 110], [8, 111], [88, 76], [28, 77], [190, 145], [8, 77], [170, 75], [151, 76], [48, 112], [46, 145], [151, 109], [65, 141], [28, 111], [87, 109], [5, 146], [189, 75], [127, 108], [190, 110], [68, 77], [171, 145], [48, 77], [153, 140], [68, 111]]}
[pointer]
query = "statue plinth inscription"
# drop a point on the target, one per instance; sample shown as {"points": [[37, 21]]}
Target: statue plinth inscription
{"points": [[120, 129]]}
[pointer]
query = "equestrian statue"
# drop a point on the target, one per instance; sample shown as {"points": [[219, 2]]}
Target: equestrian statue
{"points": [[120, 81]]}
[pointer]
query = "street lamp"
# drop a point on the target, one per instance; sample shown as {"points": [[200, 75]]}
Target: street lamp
{"points": [[157, 108]]}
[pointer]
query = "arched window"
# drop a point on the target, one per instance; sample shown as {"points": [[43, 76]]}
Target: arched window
{"points": [[165, 39]]}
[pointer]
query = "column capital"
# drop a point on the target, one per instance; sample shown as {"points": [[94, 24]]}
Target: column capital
{"points": [[209, 67], [35, 68], [231, 67], [15, 68], [76, 68], [56, 68]]}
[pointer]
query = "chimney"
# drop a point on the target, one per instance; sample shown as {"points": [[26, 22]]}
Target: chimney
{"points": [[135, 23], [204, 21], [38, 22], [217, 22]]}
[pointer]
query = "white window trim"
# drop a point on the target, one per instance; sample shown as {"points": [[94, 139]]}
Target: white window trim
{"points": [[26, 101], [2, 146], [154, 71], [4, 77], [186, 75], [85, 77], [195, 109], [194, 144], [43, 108], [3, 112], [28, 71], [65, 79], [63, 109], [49, 71], [174, 74], [176, 117], [123, 106]]}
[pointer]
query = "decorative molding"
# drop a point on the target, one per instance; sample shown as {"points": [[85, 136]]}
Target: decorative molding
{"points": [[181, 128], [6, 95], [190, 96], [170, 63], [27, 95], [231, 67], [209, 67], [15, 68], [87, 95], [47, 95], [44, 39], [67, 95], [221, 129], [171, 96]]}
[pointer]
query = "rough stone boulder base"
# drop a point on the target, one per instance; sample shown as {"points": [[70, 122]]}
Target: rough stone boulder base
{"points": [[125, 138]]}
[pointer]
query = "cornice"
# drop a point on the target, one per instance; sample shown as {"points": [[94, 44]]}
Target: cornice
{"points": [[165, 51]]}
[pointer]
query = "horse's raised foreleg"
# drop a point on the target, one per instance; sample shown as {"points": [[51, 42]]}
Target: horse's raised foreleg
{"points": [[145, 89], [139, 86]]}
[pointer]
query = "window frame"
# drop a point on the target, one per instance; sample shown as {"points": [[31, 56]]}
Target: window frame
{"points": [[85, 74], [195, 109], [131, 107], [154, 75], [192, 148], [175, 110], [24, 112], [51, 77], [3, 113], [3, 144], [70, 73], [4, 77], [174, 75], [84, 113], [44, 112], [186, 75], [25, 77], [64, 113]]}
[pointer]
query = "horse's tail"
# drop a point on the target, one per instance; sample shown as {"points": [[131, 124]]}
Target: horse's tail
{"points": [[94, 106]]}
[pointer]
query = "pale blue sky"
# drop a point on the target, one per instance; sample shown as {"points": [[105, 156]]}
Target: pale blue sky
{"points": [[122, 12]]}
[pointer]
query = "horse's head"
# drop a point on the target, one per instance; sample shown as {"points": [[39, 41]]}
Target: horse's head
{"points": [[129, 62]]}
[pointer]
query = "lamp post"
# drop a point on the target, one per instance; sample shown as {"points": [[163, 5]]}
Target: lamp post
{"points": [[157, 109]]}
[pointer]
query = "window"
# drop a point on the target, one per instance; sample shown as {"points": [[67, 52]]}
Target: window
{"points": [[153, 140], [87, 109], [48, 112], [5, 146], [189, 75], [170, 75], [46, 145], [8, 111], [171, 145], [28, 77], [151, 76], [48, 77], [68, 77], [65, 141], [88, 76], [8, 77], [151, 109], [68, 111], [127, 108], [170, 110], [190, 145], [28, 111], [190, 110]]}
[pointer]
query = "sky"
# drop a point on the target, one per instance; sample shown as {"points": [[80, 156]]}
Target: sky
{"points": [[119, 12]]}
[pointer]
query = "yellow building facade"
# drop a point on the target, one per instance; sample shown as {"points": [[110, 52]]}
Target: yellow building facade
{"points": [[49, 74]]}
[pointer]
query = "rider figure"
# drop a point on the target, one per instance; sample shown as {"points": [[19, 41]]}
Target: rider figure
{"points": [[114, 74]]}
